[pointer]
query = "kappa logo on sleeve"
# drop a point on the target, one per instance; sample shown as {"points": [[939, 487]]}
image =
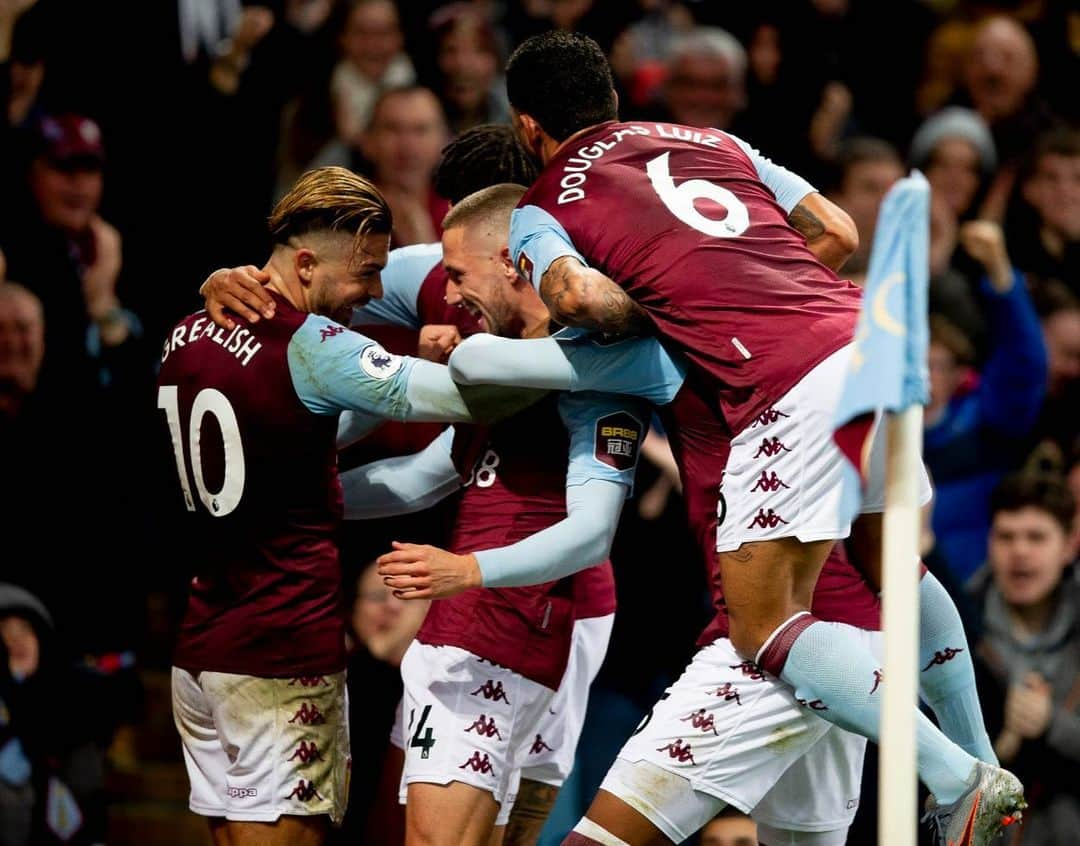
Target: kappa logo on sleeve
{"points": [[525, 266], [378, 363], [618, 439]]}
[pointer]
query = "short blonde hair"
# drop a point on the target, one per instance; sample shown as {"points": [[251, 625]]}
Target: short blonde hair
{"points": [[331, 199], [491, 206]]}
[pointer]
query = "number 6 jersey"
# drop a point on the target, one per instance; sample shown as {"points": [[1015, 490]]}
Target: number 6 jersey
{"points": [[683, 221]]}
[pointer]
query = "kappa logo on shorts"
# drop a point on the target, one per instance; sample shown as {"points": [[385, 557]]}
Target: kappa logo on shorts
{"points": [[728, 693], [485, 727], [378, 363], [679, 752], [478, 764], [766, 520], [307, 752], [768, 416], [304, 792], [879, 677], [700, 720], [241, 792], [491, 690], [329, 331], [310, 681], [770, 447], [813, 704], [768, 483], [309, 715], [618, 437], [749, 669], [942, 657], [539, 746]]}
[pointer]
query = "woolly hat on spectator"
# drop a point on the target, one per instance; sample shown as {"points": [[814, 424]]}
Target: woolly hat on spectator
{"points": [[954, 122], [69, 138], [19, 601]]}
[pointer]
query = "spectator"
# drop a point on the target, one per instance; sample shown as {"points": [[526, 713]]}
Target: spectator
{"points": [[372, 61], [1029, 655], [1000, 73], [1059, 312], [955, 150], [381, 627], [467, 56], [731, 827], [61, 249], [706, 79], [51, 756], [403, 144], [866, 169], [1047, 240], [22, 347], [974, 426]]}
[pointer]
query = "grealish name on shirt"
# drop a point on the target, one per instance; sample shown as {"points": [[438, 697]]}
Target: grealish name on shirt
{"points": [[576, 167], [240, 342]]}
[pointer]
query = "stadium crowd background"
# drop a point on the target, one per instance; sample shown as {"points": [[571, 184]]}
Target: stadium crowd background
{"points": [[143, 145]]}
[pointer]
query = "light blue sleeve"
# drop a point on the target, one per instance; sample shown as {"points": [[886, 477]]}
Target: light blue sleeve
{"points": [[606, 434], [789, 188], [402, 278], [334, 369], [582, 540], [403, 484], [640, 367], [536, 240]]}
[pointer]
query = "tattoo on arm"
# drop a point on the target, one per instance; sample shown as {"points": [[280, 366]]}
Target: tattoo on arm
{"points": [[808, 223], [579, 296]]}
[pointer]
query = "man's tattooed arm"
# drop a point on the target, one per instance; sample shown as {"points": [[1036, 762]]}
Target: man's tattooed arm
{"points": [[580, 296], [829, 232]]}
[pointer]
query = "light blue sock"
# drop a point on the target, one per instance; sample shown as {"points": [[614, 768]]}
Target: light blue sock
{"points": [[829, 666], [946, 674]]}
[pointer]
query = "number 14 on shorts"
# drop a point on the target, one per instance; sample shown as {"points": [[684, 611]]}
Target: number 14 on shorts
{"points": [[422, 741]]}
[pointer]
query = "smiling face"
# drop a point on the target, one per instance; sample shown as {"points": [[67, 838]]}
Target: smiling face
{"points": [[1028, 551], [67, 194], [339, 274], [481, 278]]}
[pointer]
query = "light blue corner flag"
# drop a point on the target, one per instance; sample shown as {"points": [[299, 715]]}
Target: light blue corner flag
{"points": [[888, 365]]}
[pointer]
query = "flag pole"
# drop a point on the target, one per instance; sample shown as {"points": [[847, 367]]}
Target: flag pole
{"points": [[897, 776]]}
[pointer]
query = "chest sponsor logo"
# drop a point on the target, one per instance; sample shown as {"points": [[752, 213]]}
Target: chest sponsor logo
{"points": [[618, 438], [378, 363]]}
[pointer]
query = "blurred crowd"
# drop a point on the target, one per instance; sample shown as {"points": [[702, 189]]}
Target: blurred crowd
{"points": [[143, 144]]}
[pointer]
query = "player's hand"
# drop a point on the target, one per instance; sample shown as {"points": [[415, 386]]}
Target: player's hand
{"points": [[1029, 707], [420, 571], [241, 291], [437, 341], [985, 242]]}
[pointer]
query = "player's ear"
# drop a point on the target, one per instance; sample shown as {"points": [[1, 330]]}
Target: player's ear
{"points": [[508, 269], [304, 261], [530, 133]]}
